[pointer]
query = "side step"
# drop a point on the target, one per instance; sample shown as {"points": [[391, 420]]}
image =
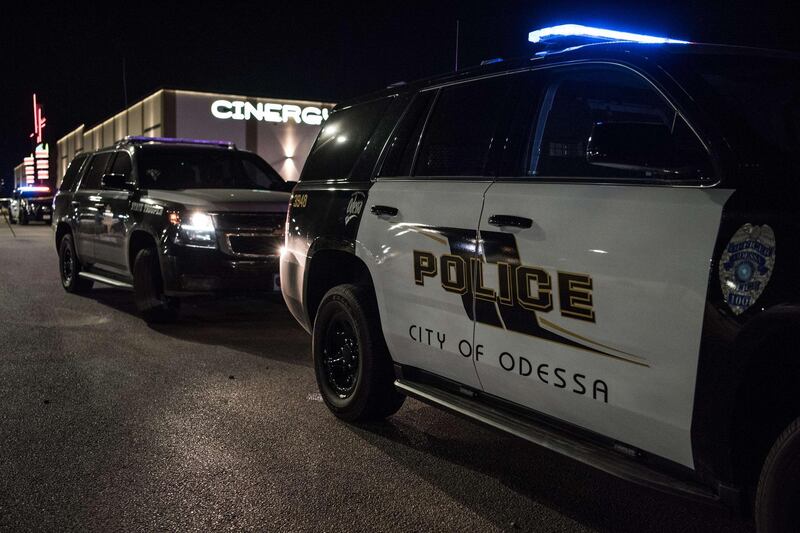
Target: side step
{"points": [[103, 279], [596, 456]]}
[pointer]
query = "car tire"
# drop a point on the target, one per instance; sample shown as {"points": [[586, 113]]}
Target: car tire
{"points": [[776, 509], [69, 268], [352, 364], [23, 218], [148, 290]]}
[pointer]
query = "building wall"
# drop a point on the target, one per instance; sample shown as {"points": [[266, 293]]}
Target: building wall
{"points": [[281, 134], [19, 175], [280, 131]]}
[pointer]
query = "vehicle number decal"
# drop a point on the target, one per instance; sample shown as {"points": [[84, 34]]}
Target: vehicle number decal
{"points": [[299, 200]]}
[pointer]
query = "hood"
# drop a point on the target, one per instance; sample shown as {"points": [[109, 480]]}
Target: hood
{"points": [[225, 200]]}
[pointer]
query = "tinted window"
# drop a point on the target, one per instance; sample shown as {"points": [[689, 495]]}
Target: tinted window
{"points": [[461, 132], [95, 171], [402, 145], [72, 173], [175, 168], [260, 173], [342, 139], [577, 99], [122, 164], [364, 167]]}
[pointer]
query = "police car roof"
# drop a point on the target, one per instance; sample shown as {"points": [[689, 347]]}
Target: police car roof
{"points": [[568, 50], [206, 143]]}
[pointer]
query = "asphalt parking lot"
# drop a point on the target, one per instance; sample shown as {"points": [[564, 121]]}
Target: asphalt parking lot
{"points": [[214, 423]]}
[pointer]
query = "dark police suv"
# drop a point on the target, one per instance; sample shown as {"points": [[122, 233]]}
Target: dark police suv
{"points": [[595, 248], [31, 203], [167, 218]]}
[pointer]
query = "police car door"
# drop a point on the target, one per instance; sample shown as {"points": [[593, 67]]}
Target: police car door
{"points": [[597, 269], [88, 206], [419, 229]]}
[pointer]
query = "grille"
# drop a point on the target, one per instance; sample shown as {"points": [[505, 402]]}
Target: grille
{"points": [[270, 222], [255, 245]]}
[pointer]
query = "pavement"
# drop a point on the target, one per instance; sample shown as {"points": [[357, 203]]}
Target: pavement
{"points": [[215, 423]]}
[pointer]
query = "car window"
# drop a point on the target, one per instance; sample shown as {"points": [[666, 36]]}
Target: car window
{"points": [[365, 166], [572, 102], [260, 173], [122, 164], [402, 145], [342, 139], [95, 170], [460, 135], [72, 173]]}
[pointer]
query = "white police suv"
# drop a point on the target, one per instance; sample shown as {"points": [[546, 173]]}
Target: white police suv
{"points": [[594, 248]]}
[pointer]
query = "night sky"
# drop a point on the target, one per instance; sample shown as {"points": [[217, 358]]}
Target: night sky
{"points": [[71, 55]]}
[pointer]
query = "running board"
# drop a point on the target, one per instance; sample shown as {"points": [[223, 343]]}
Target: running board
{"points": [[103, 279], [593, 455]]}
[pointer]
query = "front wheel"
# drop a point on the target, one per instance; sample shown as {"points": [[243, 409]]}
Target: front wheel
{"points": [[148, 289], [69, 267], [778, 492], [351, 361]]}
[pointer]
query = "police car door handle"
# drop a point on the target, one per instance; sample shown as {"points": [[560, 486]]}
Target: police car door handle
{"points": [[510, 221], [383, 211]]}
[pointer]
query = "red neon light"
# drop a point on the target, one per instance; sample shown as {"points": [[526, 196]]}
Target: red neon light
{"points": [[39, 121]]}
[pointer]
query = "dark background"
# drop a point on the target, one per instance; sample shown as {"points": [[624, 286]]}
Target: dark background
{"points": [[72, 55]]}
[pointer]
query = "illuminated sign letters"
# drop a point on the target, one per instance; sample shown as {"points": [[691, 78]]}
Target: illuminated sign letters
{"points": [[268, 112]]}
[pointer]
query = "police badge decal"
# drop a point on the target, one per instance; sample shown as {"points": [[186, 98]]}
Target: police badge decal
{"points": [[746, 266]]}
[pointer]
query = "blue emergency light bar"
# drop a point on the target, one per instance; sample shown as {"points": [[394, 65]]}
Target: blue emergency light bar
{"points": [[544, 35], [176, 140], [34, 188]]}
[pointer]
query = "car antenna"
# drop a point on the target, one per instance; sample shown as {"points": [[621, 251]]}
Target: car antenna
{"points": [[457, 30]]}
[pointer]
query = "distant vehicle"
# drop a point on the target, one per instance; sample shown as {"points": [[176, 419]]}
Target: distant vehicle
{"points": [[592, 247], [31, 203], [169, 218]]}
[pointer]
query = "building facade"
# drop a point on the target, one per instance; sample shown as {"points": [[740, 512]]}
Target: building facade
{"points": [[280, 131]]}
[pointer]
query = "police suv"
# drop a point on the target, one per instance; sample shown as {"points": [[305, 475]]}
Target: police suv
{"points": [[594, 248], [169, 218], [31, 203]]}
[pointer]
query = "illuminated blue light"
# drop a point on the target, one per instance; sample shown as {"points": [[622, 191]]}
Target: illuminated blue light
{"points": [[576, 30]]}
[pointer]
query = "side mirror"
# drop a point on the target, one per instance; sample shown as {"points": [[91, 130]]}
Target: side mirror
{"points": [[638, 146], [116, 182]]}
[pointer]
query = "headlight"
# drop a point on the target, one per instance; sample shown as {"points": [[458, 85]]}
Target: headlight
{"points": [[196, 230]]}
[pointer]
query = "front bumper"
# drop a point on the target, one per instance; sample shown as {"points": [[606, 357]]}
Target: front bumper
{"points": [[39, 213], [189, 270]]}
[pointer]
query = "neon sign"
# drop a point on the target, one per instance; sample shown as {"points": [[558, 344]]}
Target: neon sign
{"points": [[39, 121], [268, 112]]}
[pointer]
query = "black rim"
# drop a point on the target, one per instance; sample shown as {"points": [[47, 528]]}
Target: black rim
{"points": [[340, 356], [67, 267]]}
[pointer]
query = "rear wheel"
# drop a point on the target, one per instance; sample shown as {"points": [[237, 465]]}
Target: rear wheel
{"points": [[778, 495], [69, 267], [351, 362], [148, 289]]}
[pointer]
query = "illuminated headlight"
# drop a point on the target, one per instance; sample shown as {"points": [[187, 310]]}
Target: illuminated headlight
{"points": [[197, 230]]}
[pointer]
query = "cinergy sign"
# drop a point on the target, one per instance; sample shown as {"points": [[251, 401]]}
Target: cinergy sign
{"points": [[268, 112]]}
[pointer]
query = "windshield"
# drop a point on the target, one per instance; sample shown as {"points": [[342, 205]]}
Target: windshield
{"points": [[763, 91], [175, 167]]}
